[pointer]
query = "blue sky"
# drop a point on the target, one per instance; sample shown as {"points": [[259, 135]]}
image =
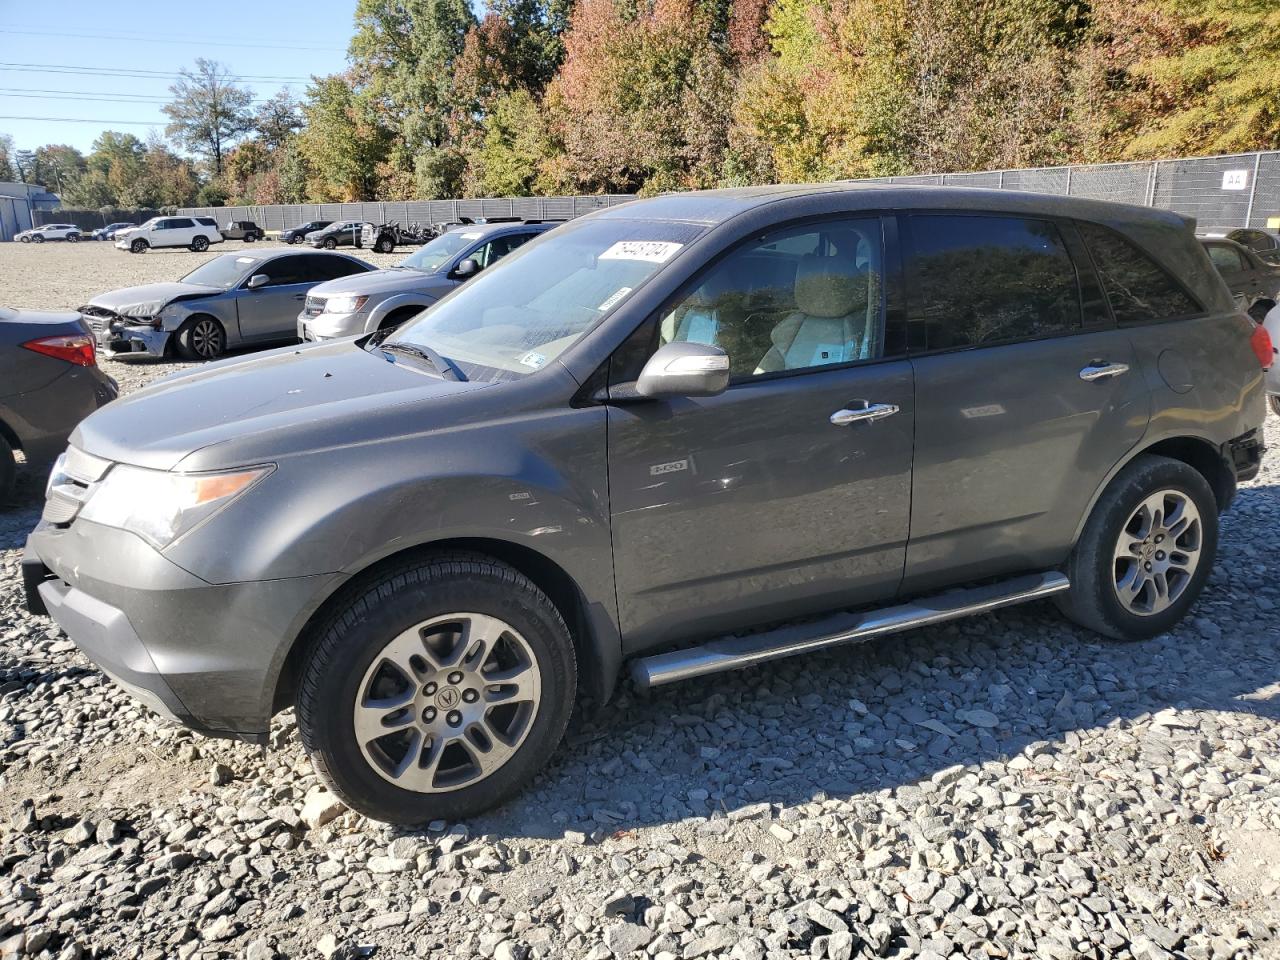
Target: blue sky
{"points": [[83, 51]]}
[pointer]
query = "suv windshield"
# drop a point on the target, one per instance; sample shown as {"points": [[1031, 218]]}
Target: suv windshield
{"points": [[519, 315], [223, 272], [440, 250]]}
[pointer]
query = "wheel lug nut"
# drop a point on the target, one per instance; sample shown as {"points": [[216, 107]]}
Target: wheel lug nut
{"points": [[429, 689], [470, 696], [429, 714], [454, 718], [1159, 554], [1147, 565], [455, 677]]}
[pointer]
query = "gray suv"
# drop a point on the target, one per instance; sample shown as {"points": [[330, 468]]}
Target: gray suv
{"points": [[387, 298], [696, 432]]}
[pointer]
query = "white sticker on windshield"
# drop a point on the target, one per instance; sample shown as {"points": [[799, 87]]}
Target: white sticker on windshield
{"points": [[651, 251], [472, 236], [614, 298], [533, 359]]}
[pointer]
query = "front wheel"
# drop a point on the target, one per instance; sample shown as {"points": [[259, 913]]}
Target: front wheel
{"points": [[330, 243], [437, 690], [25, 239], [201, 338], [73, 238], [139, 246], [384, 245], [200, 244], [1146, 551]]}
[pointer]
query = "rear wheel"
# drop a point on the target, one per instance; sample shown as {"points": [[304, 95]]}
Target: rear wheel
{"points": [[139, 246], [8, 471], [1146, 551], [438, 690], [384, 245], [250, 237], [201, 338], [200, 244]]}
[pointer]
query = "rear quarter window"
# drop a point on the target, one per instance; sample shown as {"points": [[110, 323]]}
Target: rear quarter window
{"points": [[1140, 289]]}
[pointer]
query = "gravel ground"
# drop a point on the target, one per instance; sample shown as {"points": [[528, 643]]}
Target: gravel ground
{"points": [[1006, 786]]}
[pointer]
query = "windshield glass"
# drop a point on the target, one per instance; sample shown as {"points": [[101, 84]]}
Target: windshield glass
{"points": [[521, 314], [440, 250], [223, 272]]}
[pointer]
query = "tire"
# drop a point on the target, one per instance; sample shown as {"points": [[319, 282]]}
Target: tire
{"points": [[1139, 501], [8, 472], [376, 623], [25, 239], [138, 246], [73, 238], [201, 338], [1274, 401], [330, 243], [38, 238], [250, 237], [291, 240], [200, 244], [384, 245]]}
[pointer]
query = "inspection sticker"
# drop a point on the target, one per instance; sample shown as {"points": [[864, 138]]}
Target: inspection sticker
{"points": [[651, 251], [614, 298], [533, 359]]}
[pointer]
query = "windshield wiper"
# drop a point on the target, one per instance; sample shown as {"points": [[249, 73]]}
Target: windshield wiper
{"points": [[446, 367]]}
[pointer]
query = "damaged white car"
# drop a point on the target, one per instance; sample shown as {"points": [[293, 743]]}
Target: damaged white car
{"points": [[235, 300]]}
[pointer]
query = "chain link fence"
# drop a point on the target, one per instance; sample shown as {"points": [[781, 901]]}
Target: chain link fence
{"points": [[1222, 193], [282, 216]]}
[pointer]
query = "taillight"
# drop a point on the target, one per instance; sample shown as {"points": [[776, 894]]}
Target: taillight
{"points": [[1260, 340], [77, 348]]}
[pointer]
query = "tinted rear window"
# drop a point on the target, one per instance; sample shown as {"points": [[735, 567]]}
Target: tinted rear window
{"points": [[1140, 290], [986, 279]]}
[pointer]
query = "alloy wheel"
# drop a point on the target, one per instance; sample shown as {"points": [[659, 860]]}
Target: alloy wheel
{"points": [[206, 339], [1157, 552], [447, 702]]}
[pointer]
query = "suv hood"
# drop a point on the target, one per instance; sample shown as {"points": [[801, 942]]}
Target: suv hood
{"points": [[147, 300], [380, 281], [242, 411]]}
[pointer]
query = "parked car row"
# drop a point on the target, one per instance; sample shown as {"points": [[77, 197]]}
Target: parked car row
{"points": [[1253, 282], [699, 432]]}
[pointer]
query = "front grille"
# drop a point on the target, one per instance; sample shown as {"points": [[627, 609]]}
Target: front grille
{"points": [[98, 318], [314, 306], [74, 477]]}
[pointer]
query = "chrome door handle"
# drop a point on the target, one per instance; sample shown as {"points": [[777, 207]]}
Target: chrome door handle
{"points": [[871, 411], [1103, 371]]}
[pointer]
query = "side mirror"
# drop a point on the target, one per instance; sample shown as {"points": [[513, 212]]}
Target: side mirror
{"points": [[684, 370], [466, 268], [257, 280]]}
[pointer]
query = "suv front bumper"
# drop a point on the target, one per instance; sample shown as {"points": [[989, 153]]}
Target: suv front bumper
{"points": [[207, 655]]}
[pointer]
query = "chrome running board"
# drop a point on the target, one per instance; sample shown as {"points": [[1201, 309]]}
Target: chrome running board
{"points": [[732, 653]]}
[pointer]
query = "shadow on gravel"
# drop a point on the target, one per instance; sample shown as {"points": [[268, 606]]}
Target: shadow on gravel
{"points": [[893, 712]]}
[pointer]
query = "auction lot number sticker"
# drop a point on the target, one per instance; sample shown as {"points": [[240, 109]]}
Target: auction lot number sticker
{"points": [[650, 251]]}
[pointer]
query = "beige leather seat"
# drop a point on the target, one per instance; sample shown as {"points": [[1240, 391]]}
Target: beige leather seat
{"points": [[830, 321]]}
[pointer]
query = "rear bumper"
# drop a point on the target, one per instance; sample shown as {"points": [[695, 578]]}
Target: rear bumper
{"points": [[1244, 454], [44, 418], [207, 655]]}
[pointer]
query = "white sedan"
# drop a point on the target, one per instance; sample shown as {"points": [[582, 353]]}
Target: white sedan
{"points": [[50, 231]]}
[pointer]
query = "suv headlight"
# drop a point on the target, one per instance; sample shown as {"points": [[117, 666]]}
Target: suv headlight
{"points": [[161, 506], [344, 304]]}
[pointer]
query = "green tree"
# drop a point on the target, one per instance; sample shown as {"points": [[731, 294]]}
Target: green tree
{"points": [[8, 172], [278, 119], [513, 145], [343, 143], [209, 112]]}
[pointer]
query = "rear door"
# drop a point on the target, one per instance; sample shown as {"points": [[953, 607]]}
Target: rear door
{"points": [[1026, 393], [767, 501]]}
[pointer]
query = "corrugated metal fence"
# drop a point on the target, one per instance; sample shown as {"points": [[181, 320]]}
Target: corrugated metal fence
{"points": [[278, 217], [1235, 190]]}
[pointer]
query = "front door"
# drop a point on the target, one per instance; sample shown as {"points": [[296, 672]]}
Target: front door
{"points": [[1026, 394], [789, 493], [271, 311]]}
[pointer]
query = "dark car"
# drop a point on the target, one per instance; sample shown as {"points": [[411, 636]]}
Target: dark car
{"points": [[1254, 283], [697, 432], [49, 382], [235, 300], [346, 233], [1265, 245], [109, 231], [245, 230], [298, 234]]}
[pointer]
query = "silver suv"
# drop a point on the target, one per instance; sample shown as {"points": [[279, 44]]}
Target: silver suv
{"points": [[696, 432], [386, 298]]}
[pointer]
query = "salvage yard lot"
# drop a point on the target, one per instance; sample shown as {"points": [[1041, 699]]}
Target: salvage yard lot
{"points": [[1005, 786]]}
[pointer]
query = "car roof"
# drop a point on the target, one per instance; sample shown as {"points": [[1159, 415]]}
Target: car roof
{"points": [[488, 229], [714, 207]]}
